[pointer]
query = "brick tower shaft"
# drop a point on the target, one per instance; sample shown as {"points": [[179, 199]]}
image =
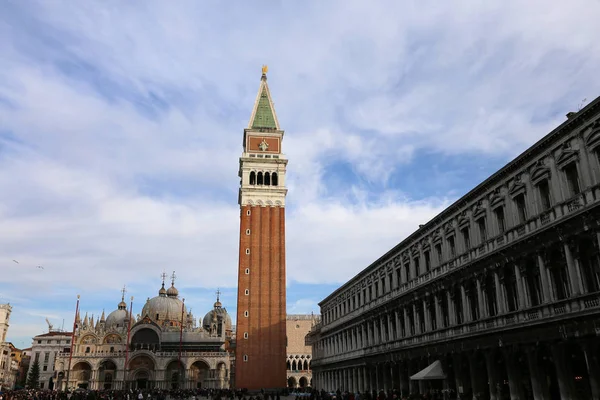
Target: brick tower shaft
{"points": [[261, 306]]}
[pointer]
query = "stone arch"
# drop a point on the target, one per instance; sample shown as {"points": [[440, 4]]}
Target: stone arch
{"points": [[288, 365], [199, 373], [82, 372], [274, 179], [259, 178], [305, 365], [294, 365], [267, 178], [252, 178], [175, 374], [145, 338], [292, 382], [303, 382], [107, 371], [141, 371], [112, 338]]}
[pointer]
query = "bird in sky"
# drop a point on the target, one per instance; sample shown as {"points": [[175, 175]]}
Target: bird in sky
{"points": [[40, 267], [15, 261]]}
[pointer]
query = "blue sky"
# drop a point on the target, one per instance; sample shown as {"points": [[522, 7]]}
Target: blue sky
{"points": [[121, 127]]}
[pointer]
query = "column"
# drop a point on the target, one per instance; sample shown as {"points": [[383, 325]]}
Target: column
{"points": [[538, 377], [514, 377], [520, 292], [465, 304], [365, 383], [426, 316], [593, 368], [451, 308], [416, 319], [494, 378], [392, 385], [499, 301], [389, 324], [407, 322], [482, 309], [573, 277], [563, 373], [478, 382], [544, 279], [398, 325], [439, 318]]}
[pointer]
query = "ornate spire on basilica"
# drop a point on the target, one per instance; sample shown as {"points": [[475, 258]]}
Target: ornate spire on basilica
{"points": [[172, 291], [102, 318]]}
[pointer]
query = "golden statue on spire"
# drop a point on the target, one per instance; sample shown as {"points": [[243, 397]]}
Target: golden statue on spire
{"points": [[265, 69]]}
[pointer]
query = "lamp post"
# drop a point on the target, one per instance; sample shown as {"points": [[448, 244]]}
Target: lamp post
{"points": [[72, 342]]}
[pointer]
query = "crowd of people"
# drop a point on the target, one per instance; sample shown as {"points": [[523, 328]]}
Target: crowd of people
{"points": [[217, 394]]}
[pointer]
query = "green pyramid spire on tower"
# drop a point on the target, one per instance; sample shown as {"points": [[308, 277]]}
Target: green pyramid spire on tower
{"points": [[264, 114]]}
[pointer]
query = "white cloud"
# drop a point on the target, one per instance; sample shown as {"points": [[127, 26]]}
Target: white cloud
{"points": [[120, 128]]}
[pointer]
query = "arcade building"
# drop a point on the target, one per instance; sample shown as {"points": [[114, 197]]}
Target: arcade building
{"points": [[164, 347], [496, 297]]}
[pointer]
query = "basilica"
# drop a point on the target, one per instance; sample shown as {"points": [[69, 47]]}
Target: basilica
{"points": [[164, 347]]}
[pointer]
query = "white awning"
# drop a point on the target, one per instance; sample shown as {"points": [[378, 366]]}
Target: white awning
{"points": [[433, 371]]}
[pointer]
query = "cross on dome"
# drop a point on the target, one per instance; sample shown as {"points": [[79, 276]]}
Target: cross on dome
{"points": [[123, 291], [218, 292], [163, 276], [173, 276]]}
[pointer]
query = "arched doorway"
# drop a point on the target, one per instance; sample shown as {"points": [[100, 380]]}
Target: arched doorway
{"points": [[303, 382], [292, 382], [199, 372], [82, 372], [142, 370], [106, 374], [175, 375], [145, 338]]}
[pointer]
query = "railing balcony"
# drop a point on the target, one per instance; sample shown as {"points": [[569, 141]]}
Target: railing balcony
{"points": [[566, 309], [531, 227]]}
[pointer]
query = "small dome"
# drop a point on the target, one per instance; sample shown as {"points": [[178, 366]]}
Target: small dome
{"points": [[162, 291], [217, 312], [172, 291]]}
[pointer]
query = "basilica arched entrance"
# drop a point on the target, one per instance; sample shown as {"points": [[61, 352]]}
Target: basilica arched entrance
{"points": [[175, 375], [303, 382], [141, 375], [107, 372], [83, 374], [199, 373]]}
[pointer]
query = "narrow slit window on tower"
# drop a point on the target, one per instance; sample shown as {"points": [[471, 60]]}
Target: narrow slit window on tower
{"points": [[267, 179], [253, 178], [274, 179], [246, 313], [247, 251], [247, 231], [259, 178], [247, 212], [245, 335], [246, 292], [247, 271], [245, 358]]}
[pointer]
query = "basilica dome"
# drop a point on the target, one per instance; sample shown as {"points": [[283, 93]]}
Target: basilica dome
{"points": [[217, 311], [164, 307], [119, 316]]}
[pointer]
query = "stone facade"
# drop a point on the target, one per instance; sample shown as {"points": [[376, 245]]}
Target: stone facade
{"points": [[7, 372], [163, 348], [502, 289], [299, 353], [261, 310], [45, 349]]}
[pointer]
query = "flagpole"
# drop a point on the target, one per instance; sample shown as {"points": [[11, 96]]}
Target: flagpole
{"points": [[181, 338], [72, 342], [127, 344]]}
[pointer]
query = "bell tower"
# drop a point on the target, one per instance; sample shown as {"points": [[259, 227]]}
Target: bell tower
{"points": [[261, 307]]}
